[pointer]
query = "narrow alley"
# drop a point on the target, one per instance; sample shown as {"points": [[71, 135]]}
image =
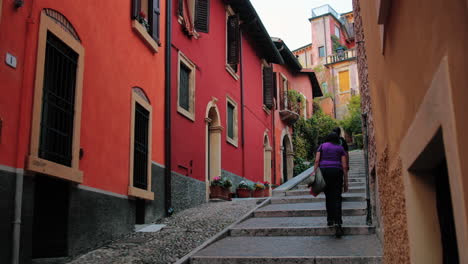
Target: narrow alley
{"points": [[291, 227]]}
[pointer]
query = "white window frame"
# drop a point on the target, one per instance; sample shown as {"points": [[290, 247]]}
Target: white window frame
{"points": [[235, 140], [190, 114]]}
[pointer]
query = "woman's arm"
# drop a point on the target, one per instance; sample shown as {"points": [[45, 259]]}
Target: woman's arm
{"points": [[344, 162], [317, 161]]}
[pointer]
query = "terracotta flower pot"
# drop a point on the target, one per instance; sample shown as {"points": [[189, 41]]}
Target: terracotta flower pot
{"points": [[266, 192], [219, 192], [243, 193], [258, 193]]}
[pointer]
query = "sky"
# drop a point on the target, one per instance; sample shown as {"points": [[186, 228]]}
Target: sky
{"points": [[289, 19]]}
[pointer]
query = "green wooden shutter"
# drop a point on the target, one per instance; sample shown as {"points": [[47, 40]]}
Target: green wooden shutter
{"points": [[202, 15], [136, 8], [155, 13], [268, 87], [233, 44], [230, 121], [180, 8]]}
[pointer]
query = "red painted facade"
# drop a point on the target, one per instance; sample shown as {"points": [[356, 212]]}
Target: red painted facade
{"points": [[116, 60], [208, 53]]}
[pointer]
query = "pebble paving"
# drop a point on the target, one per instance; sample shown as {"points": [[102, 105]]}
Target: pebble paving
{"points": [[184, 232]]}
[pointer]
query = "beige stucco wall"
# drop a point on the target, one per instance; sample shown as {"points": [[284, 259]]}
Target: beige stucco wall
{"points": [[419, 35]]}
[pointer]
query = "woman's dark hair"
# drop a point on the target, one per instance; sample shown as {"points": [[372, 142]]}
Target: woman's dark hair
{"points": [[337, 130], [333, 138]]}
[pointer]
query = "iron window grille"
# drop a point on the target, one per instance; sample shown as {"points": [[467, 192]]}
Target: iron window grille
{"points": [[58, 102], [140, 152]]}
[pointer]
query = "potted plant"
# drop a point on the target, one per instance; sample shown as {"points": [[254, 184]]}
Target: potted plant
{"points": [[266, 192], [219, 188], [259, 190], [243, 190]]}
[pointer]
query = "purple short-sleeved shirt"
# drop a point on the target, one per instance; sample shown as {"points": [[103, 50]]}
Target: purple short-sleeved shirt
{"points": [[330, 156]]}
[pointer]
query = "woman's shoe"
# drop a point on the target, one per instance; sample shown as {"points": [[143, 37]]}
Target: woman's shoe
{"points": [[338, 231]]}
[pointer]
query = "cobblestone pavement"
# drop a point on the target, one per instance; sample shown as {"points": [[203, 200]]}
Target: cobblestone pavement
{"points": [[184, 232]]}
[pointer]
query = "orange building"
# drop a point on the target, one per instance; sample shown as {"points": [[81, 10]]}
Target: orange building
{"points": [[413, 87], [81, 123], [332, 56]]}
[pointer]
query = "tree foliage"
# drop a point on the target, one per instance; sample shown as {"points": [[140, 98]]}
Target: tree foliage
{"points": [[352, 122], [309, 134]]}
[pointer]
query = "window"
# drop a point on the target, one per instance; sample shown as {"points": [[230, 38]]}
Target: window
{"points": [[140, 146], [55, 131], [283, 90], [321, 51], [268, 87], [337, 31], [343, 77], [146, 21], [194, 15], [58, 102], [325, 87], [232, 43], [186, 88], [231, 113]]}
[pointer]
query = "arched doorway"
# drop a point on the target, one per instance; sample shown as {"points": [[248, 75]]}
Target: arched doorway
{"points": [[287, 158], [213, 144], [266, 159]]}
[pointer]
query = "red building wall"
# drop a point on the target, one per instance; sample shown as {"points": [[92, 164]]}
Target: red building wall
{"points": [[208, 53], [300, 82], [116, 60]]}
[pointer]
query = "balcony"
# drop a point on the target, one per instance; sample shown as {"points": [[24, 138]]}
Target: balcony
{"points": [[341, 55], [323, 10], [288, 116]]}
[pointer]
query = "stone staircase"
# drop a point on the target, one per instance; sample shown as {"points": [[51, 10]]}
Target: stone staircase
{"points": [[292, 228]]}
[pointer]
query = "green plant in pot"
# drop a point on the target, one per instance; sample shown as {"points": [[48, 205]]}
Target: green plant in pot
{"points": [[243, 190], [219, 188], [259, 190]]}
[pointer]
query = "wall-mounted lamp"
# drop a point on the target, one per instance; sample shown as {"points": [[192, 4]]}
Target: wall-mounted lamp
{"points": [[19, 3]]}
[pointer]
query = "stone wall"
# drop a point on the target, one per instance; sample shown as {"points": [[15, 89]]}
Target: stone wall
{"points": [[386, 180]]}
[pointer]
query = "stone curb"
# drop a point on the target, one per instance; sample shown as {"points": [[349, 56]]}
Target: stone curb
{"points": [[290, 184], [224, 233]]}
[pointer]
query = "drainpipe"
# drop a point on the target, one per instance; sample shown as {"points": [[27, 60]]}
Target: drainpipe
{"points": [[242, 100], [274, 142], [366, 162], [167, 110], [17, 220], [19, 173]]}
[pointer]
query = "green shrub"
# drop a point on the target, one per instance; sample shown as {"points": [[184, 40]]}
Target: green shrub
{"points": [[352, 123], [308, 135], [295, 101], [299, 166], [358, 140]]}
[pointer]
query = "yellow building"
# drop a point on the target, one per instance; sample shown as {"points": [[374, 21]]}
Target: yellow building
{"points": [[412, 69]]}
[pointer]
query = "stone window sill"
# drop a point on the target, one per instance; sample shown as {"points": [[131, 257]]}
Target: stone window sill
{"points": [[265, 108], [232, 141], [231, 71], [140, 30], [47, 167], [186, 113], [140, 193]]}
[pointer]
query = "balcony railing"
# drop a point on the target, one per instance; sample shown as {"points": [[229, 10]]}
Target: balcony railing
{"points": [[341, 56]]}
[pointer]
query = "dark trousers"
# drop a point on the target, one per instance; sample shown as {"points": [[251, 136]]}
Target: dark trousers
{"points": [[334, 179]]}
